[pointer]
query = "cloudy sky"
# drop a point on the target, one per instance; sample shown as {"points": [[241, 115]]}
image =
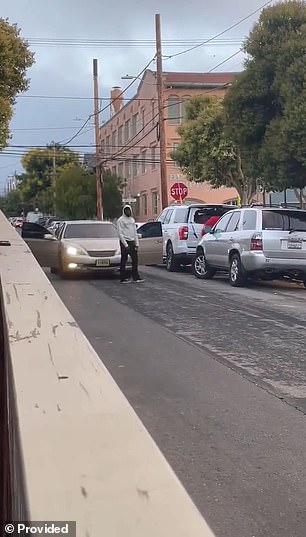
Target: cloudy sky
{"points": [[66, 70]]}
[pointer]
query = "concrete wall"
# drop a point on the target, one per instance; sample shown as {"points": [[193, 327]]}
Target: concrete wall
{"points": [[77, 450]]}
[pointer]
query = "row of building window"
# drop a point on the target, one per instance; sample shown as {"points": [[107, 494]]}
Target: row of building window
{"points": [[176, 112]]}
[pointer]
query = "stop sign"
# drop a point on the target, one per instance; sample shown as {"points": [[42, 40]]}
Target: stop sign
{"points": [[179, 191]]}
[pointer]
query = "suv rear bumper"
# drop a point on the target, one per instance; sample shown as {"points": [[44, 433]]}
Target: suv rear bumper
{"points": [[257, 261]]}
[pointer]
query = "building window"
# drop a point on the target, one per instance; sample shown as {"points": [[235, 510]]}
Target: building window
{"points": [[153, 110], [114, 137], [134, 124], [128, 169], [142, 119], [153, 157], [143, 161], [120, 170], [127, 130], [120, 136], [135, 165], [154, 202], [185, 100], [175, 145], [144, 204], [174, 110]]}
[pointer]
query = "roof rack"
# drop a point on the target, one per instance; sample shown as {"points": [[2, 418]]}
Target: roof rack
{"points": [[275, 205]]}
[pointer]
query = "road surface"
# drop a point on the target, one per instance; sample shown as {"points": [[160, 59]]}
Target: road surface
{"points": [[218, 376]]}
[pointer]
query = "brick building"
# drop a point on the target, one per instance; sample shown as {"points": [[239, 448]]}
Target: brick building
{"points": [[129, 139]]}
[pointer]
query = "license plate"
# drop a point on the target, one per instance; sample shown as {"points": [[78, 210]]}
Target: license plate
{"points": [[294, 245], [102, 263]]}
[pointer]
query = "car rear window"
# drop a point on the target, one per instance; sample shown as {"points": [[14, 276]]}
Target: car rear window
{"points": [[91, 231], [180, 216], [284, 220], [202, 215]]}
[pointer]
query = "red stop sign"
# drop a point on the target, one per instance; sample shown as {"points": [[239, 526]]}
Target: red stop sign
{"points": [[179, 191]]}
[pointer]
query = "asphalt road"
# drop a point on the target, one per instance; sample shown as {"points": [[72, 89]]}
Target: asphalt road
{"points": [[218, 376]]}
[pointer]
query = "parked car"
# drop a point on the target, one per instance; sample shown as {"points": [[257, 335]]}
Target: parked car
{"points": [[183, 226], [85, 245], [259, 242]]}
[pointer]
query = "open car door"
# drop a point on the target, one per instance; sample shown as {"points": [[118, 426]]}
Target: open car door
{"points": [[43, 245], [150, 244]]}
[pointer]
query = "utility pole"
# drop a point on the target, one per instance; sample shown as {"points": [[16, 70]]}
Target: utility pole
{"points": [[96, 118], [54, 179], [162, 133]]}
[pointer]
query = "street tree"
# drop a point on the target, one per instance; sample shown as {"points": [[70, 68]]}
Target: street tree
{"points": [[207, 151], [15, 59], [265, 107], [41, 168], [112, 195], [75, 194]]}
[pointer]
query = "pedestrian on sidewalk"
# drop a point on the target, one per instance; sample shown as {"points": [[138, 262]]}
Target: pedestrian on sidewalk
{"points": [[129, 244]]}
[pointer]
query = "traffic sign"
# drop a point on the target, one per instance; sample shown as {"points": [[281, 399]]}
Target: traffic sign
{"points": [[179, 191]]}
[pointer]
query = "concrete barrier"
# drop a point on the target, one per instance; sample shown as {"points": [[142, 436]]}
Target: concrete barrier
{"points": [[74, 446]]}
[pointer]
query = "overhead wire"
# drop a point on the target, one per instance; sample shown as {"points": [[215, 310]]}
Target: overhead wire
{"points": [[206, 41]]}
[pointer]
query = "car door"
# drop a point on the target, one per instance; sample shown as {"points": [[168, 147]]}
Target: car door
{"points": [[150, 244], [43, 245], [216, 245]]}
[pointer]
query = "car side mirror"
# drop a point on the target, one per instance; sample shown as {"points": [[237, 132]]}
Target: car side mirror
{"points": [[139, 235], [49, 237]]}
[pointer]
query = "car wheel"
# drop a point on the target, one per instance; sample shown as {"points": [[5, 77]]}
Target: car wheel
{"points": [[237, 275], [172, 264], [200, 268]]}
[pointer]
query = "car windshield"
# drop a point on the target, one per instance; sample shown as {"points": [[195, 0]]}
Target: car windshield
{"points": [[91, 231], [284, 220]]}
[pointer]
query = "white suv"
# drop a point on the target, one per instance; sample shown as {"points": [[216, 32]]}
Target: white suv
{"points": [[183, 227]]}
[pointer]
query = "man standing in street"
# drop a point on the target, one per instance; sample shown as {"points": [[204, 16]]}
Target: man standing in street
{"points": [[129, 244]]}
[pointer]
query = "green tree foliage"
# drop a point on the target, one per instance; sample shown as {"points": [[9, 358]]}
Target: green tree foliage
{"points": [[12, 203], [36, 184], [112, 195], [266, 111], [76, 194], [207, 151], [15, 59]]}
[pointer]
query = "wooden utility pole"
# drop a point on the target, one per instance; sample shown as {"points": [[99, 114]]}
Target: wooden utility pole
{"points": [[162, 133], [54, 178], [96, 118]]}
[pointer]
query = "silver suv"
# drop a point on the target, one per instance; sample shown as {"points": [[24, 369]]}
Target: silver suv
{"points": [[259, 242]]}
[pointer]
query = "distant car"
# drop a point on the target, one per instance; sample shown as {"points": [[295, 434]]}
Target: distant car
{"points": [[18, 222], [255, 242], [183, 227], [85, 245]]}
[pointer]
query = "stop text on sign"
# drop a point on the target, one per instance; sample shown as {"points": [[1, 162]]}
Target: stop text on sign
{"points": [[179, 191]]}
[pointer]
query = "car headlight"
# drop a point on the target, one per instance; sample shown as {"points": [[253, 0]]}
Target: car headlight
{"points": [[75, 250]]}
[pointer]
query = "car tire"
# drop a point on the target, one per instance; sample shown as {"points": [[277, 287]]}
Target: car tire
{"points": [[172, 264], [237, 276], [200, 268]]}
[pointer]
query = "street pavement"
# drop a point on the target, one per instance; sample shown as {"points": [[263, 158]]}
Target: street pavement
{"points": [[218, 377]]}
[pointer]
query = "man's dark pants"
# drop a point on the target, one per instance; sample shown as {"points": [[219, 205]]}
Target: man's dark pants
{"points": [[125, 252]]}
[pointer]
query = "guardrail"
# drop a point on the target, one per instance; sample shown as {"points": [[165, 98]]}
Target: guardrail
{"points": [[73, 447]]}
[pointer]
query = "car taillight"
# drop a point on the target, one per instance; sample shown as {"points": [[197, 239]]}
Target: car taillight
{"points": [[256, 242], [183, 233]]}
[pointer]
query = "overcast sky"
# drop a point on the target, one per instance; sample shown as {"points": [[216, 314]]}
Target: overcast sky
{"points": [[66, 71]]}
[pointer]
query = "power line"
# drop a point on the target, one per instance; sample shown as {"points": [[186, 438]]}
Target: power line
{"points": [[221, 33], [108, 105]]}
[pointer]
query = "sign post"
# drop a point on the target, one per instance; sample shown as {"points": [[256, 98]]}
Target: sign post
{"points": [[179, 191]]}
